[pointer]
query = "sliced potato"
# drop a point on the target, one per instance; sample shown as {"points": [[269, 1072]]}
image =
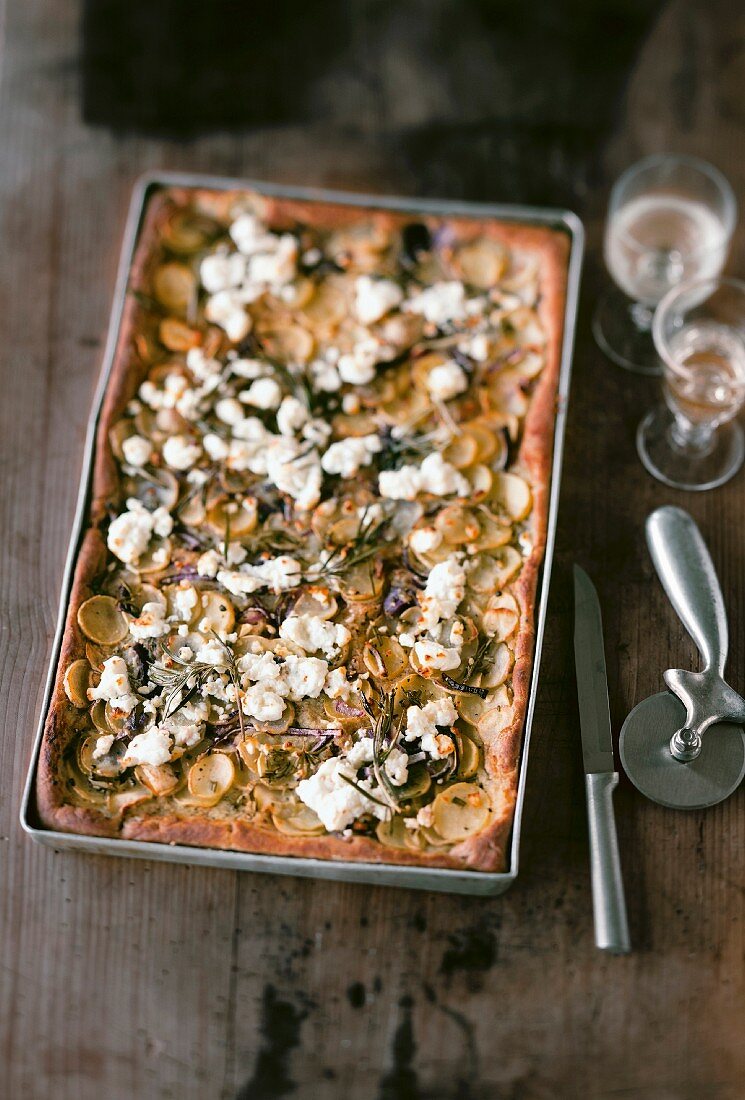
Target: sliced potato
{"points": [[178, 336], [210, 777], [497, 714], [156, 557], [494, 532], [460, 811], [469, 756], [501, 660], [76, 680], [462, 451], [457, 523], [161, 780], [481, 263], [481, 479], [101, 620], [238, 517], [186, 232], [418, 782], [217, 613], [297, 820], [326, 309], [512, 495], [120, 801], [471, 708], [385, 658], [290, 343], [361, 583], [501, 616], [392, 832], [317, 601], [175, 287]]}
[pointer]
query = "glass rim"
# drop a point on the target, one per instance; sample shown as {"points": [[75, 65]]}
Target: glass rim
{"points": [[715, 282], [720, 181]]}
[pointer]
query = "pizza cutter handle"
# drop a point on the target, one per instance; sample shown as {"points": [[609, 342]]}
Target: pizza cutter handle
{"points": [[687, 573]]}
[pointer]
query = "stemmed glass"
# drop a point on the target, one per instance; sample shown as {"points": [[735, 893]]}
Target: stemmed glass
{"points": [[670, 219], [692, 441]]}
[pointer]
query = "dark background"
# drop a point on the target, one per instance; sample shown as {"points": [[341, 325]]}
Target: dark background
{"points": [[138, 981]]}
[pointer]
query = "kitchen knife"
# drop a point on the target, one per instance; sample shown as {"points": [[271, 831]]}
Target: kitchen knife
{"points": [[601, 778]]}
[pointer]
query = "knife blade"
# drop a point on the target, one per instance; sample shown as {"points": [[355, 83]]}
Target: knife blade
{"points": [[601, 779], [592, 678]]}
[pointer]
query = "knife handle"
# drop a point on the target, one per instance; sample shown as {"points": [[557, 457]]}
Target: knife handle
{"points": [[608, 902]]}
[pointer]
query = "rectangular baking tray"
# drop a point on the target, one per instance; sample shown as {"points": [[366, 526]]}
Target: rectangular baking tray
{"points": [[422, 878]]}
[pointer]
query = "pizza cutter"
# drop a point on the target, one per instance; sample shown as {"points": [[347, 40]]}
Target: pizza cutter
{"points": [[685, 748]]}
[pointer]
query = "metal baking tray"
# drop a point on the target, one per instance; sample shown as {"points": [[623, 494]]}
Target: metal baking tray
{"points": [[422, 878]]}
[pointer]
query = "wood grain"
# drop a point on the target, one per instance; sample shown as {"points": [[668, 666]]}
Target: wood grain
{"points": [[125, 979]]}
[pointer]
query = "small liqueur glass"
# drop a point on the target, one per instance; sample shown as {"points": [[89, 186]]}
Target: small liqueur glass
{"points": [[692, 441], [670, 219]]}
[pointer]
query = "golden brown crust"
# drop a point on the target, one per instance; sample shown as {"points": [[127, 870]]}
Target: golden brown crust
{"points": [[486, 851]]}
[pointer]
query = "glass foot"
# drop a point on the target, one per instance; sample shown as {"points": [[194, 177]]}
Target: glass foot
{"points": [[683, 468], [623, 331]]}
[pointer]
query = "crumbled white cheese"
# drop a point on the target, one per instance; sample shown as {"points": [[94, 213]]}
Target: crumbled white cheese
{"points": [[374, 298], [229, 410], [216, 447], [137, 451], [291, 415], [422, 725], [396, 761], [476, 347], [276, 267], [337, 686], [440, 303], [317, 431], [447, 380], [150, 623], [293, 472], [432, 655], [201, 367], [152, 747], [248, 368], [250, 234], [185, 598], [424, 539], [304, 676], [358, 366], [209, 563], [445, 588], [325, 376], [350, 404], [181, 452], [102, 746], [279, 574], [262, 703], [346, 456], [264, 393], [114, 686], [222, 271], [129, 533], [313, 634], [260, 666], [435, 476], [227, 309], [336, 802]]}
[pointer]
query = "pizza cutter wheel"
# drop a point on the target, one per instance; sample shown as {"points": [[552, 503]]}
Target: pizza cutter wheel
{"points": [[685, 748]]}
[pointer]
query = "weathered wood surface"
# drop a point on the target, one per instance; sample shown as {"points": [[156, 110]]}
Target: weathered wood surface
{"points": [[132, 980]]}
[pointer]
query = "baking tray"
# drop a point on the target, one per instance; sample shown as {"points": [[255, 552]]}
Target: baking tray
{"points": [[422, 878]]}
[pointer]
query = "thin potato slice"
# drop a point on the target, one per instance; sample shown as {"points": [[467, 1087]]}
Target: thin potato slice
{"points": [[392, 832], [291, 343], [469, 757], [501, 616], [217, 613], [501, 659], [175, 287], [101, 620], [457, 523], [162, 780], [297, 820], [481, 263], [494, 533], [76, 681], [460, 811], [385, 658], [210, 778], [178, 336], [156, 557], [512, 495], [239, 518], [316, 601], [462, 451]]}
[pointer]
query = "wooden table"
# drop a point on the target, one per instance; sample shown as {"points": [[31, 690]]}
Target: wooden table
{"points": [[124, 979]]}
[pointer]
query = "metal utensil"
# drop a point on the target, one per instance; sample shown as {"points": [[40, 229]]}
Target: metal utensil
{"points": [[601, 778], [662, 745]]}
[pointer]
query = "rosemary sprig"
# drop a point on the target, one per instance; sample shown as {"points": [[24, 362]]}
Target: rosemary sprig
{"points": [[364, 545], [381, 730]]}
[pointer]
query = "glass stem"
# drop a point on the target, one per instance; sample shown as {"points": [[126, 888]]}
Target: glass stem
{"points": [[691, 438], [642, 316]]}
